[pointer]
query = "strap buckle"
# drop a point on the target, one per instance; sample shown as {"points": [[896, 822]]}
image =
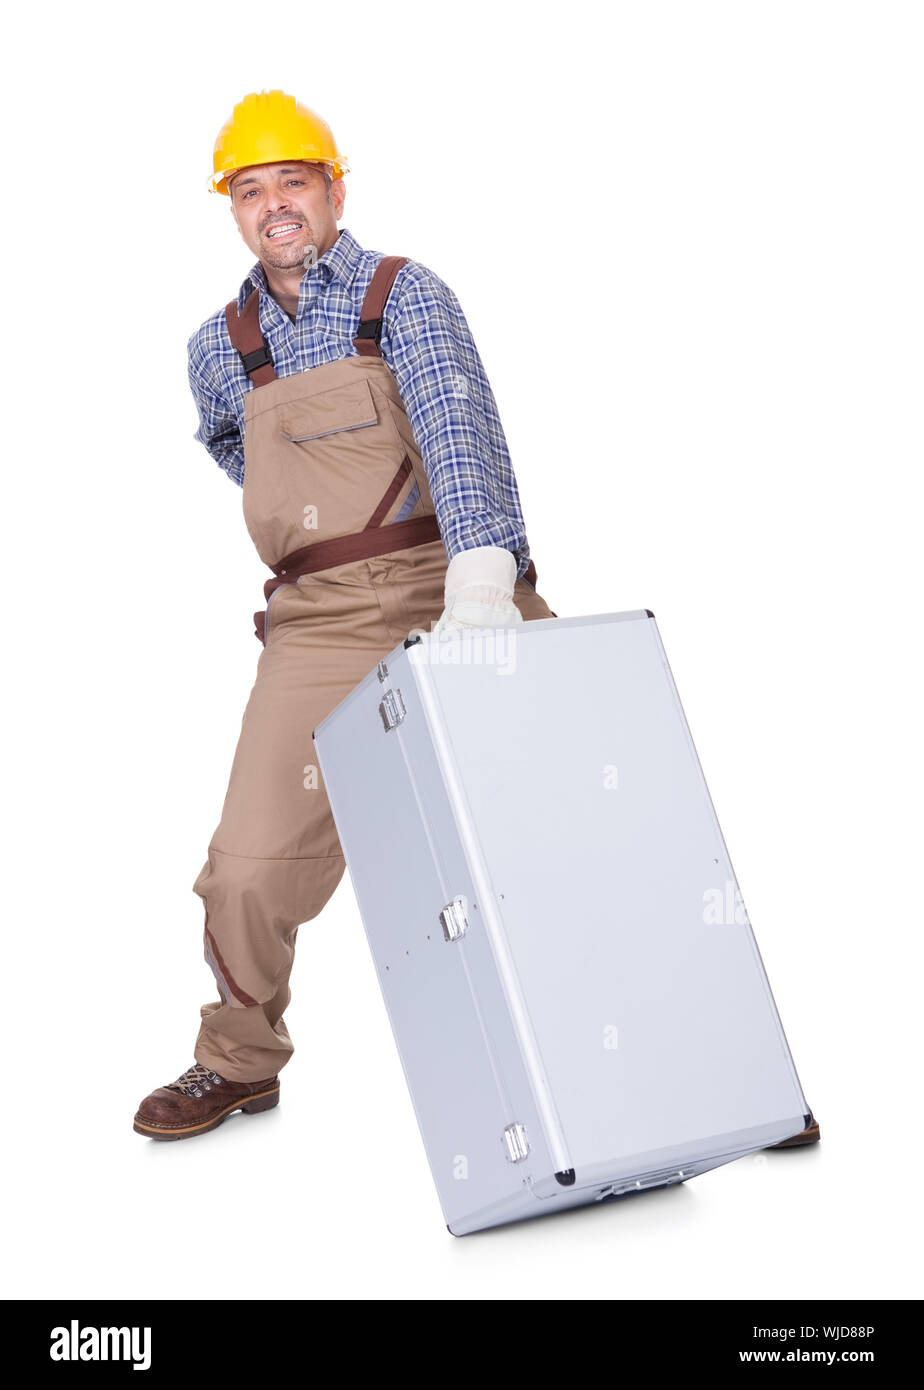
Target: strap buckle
{"points": [[370, 328], [260, 357]]}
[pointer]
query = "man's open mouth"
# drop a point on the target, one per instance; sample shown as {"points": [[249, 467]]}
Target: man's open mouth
{"points": [[280, 230]]}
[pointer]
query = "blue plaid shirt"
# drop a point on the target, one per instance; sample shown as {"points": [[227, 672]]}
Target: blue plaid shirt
{"points": [[425, 341]]}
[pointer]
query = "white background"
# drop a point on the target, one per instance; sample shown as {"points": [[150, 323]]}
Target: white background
{"points": [[687, 238]]}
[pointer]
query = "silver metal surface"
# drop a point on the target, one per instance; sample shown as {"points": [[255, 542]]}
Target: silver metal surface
{"points": [[608, 991]]}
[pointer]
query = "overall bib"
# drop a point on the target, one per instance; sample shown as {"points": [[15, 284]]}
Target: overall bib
{"points": [[337, 502]]}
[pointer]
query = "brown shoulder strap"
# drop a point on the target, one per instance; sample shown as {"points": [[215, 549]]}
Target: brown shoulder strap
{"points": [[369, 332], [247, 336]]}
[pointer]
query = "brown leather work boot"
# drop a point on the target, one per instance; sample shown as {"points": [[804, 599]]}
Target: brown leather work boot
{"points": [[810, 1135], [199, 1100]]}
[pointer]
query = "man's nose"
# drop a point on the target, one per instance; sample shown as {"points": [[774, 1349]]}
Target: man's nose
{"points": [[277, 199]]}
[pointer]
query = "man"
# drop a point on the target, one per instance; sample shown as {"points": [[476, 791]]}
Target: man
{"points": [[343, 391]]}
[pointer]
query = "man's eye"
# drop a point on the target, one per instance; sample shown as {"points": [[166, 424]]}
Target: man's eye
{"points": [[296, 180]]}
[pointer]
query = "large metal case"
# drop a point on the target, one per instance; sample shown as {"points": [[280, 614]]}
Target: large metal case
{"points": [[572, 981]]}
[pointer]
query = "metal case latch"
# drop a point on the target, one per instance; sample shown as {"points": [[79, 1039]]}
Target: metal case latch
{"points": [[392, 709], [453, 919], [516, 1142]]}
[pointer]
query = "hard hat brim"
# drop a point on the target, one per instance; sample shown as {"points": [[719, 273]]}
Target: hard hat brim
{"points": [[218, 182]]}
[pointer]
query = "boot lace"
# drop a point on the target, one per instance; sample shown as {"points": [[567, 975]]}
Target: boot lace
{"points": [[196, 1081]]}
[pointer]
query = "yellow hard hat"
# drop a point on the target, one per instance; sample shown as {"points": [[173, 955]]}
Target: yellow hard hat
{"points": [[269, 128]]}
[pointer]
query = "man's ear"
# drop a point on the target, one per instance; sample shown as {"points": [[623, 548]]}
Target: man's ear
{"points": [[338, 194]]}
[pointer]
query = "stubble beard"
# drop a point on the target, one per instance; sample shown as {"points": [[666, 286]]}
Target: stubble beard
{"points": [[293, 253]]}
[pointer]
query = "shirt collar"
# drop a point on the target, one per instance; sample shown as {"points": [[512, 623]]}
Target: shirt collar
{"points": [[341, 262]]}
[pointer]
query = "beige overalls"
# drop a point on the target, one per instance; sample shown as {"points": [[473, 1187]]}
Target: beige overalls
{"points": [[337, 502]]}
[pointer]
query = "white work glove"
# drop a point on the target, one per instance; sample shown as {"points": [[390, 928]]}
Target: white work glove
{"points": [[479, 590]]}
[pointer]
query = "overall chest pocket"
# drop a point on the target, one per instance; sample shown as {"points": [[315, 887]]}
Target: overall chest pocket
{"points": [[343, 408]]}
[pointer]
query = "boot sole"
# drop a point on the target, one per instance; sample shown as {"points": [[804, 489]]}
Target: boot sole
{"points": [[251, 1105]]}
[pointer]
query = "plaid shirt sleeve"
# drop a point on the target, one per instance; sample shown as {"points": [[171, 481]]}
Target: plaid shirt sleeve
{"points": [[427, 343], [219, 428]]}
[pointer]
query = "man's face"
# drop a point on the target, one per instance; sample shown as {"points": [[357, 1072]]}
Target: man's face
{"points": [[281, 209]]}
